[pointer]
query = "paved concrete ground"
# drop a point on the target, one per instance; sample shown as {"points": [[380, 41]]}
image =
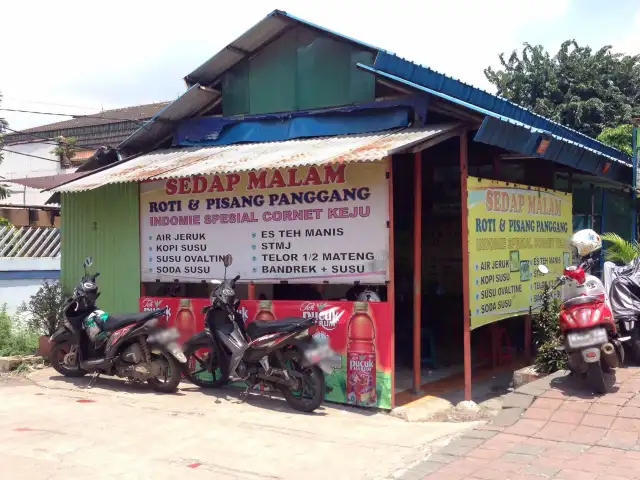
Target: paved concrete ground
{"points": [[53, 428], [553, 428]]}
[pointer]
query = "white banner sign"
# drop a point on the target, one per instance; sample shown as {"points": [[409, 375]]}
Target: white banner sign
{"points": [[304, 225]]}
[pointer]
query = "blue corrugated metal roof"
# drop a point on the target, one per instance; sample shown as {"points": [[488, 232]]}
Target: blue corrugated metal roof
{"points": [[426, 77], [523, 139], [520, 137]]}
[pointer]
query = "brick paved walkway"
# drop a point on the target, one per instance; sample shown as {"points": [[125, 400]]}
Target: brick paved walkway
{"points": [[558, 430]]}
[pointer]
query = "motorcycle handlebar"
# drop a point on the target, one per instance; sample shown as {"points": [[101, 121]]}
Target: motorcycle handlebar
{"points": [[236, 278]]}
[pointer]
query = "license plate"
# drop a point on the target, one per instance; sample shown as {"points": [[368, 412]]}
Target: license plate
{"points": [[587, 339]]}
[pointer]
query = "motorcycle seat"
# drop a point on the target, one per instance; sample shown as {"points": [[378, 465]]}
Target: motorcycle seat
{"points": [[259, 328], [116, 322]]}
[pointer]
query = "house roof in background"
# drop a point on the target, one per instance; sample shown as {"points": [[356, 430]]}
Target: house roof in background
{"points": [[108, 128]]}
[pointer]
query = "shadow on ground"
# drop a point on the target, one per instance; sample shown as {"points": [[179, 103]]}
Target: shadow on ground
{"points": [[272, 401]]}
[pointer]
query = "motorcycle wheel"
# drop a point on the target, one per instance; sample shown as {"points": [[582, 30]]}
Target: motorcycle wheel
{"points": [[595, 377], [172, 377], [56, 357], [202, 365], [310, 395]]}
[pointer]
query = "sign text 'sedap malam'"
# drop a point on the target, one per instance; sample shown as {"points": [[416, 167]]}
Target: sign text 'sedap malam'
{"points": [[513, 229], [300, 224]]}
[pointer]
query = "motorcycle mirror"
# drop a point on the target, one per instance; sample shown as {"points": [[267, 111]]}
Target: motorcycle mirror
{"points": [[88, 262], [227, 260], [543, 269]]}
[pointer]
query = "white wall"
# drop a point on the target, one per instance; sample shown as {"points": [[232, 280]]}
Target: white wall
{"points": [[20, 166], [20, 278]]}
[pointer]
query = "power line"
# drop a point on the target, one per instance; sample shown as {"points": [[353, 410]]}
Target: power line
{"points": [[50, 139], [28, 155], [95, 115], [51, 103]]}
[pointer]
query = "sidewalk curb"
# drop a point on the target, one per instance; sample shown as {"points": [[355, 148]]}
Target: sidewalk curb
{"points": [[516, 402]]}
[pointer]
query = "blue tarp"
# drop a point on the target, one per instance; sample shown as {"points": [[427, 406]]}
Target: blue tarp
{"points": [[356, 119]]}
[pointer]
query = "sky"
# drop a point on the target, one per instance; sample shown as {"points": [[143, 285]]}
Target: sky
{"points": [[65, 57]]}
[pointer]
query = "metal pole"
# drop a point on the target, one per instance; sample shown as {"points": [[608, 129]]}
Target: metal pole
{"points": [[252, 291], [634, 180], [464, 215], [417, 271], [391, 288]]}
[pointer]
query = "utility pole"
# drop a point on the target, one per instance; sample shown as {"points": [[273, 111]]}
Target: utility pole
{"points": [[634, 180]]}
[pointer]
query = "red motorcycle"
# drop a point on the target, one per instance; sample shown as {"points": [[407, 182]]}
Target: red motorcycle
{"points": [[591, 340]]}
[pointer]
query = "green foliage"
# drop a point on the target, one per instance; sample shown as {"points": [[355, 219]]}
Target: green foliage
{"points": [[620, 137], [547, 336], [583, 89], [619, 250], [4, 222], [66, 148], [44, 310], [15, 338]]}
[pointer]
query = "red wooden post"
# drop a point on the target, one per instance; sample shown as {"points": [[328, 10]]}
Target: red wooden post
{"points": [[391, 288], [527, 338], [464, 214], [417, 270]]}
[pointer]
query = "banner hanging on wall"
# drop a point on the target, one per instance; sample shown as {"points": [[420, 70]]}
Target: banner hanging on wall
{"points": [[306, 224], [360, 333], [512, 229]]}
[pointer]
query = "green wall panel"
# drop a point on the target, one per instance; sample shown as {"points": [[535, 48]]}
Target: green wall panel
{"points": [[300, 70], [104, 224], [272, 77]]}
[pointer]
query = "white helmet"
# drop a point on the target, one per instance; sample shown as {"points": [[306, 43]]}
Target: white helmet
{"points": [[586, 242], [368, 296]]}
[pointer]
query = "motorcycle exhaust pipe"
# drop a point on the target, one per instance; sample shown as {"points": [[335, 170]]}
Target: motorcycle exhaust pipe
{"points": [[610, 356]]}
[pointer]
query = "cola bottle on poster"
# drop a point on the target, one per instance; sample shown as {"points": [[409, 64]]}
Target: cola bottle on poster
{"points": [[361, 357], [265, 311], [185, 319]]}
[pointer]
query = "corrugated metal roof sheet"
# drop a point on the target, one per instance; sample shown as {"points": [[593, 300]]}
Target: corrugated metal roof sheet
{"points": [[426, 77], [183, 162], [252, 40], [191, 103]]}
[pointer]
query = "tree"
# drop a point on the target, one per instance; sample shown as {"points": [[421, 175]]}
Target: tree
{"points": [[44, 309], [65, 150], [619, 250], [620, 137], [4, 191], [577, 87]]}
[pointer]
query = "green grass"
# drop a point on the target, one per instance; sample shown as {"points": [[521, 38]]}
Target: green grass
{"points": [[15, 339]]}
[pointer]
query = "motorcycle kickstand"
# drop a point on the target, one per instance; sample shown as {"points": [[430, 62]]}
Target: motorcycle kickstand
{"points": [[93, 380], [245, 394]]}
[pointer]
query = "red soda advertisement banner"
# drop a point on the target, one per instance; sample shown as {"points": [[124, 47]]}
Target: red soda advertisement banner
{"points": [[360, 333]]}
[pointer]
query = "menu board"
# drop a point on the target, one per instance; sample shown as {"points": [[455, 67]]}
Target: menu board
{"points": [[326, 223], [513, 229]]}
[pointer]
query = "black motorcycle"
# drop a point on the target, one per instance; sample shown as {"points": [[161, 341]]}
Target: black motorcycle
{"points": [[130, 346], [281, 354]]}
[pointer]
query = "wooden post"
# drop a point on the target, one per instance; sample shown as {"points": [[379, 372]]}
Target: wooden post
{"points": [[464, 214], [417, 272], [391, 288], [527, 338]]}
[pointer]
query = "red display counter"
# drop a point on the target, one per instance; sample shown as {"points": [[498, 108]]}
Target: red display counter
{"points": [[360, 333]]}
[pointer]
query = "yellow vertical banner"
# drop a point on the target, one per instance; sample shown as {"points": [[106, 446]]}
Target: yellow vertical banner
{"points": [[513, 229]]}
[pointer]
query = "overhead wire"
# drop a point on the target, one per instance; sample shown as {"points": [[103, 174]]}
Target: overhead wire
{"points": [[28, 155], [50, 141], [94, 115]]}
